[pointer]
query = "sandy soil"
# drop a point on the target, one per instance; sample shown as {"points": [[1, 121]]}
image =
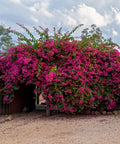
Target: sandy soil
{"points": [[36, 128]]}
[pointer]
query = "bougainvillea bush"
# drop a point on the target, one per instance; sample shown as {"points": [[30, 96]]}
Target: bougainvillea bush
{"points": [[71, 78]]}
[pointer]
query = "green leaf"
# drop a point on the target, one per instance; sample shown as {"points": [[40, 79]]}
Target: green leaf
{"points": [[39, 70], [90, 94], [108, 94], [14, 87], [36, 45], [69, 106], [59, 106], [82, 97], [45, 50], [53, 69], [98, 92], [55, 85], [72, 38]]}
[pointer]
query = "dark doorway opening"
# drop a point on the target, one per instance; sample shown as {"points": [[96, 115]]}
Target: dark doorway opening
{"points": [[24, 97]]}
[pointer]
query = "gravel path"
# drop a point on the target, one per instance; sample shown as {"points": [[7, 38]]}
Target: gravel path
{"points": [[36, 128]]}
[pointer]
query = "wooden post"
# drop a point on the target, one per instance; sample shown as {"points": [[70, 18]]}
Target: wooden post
{"points": [[47, 110]]}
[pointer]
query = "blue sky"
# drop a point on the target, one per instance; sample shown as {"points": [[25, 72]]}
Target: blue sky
{"points": [[66, 13]]}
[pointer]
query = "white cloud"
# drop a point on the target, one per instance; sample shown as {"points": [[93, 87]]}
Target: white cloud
{"points": [[32, 9], [115, 33], [81, 14], [15, 1], [34, 19], [70, 21], [46, 13], [118, 18], [42, 8], [89, 15], [35, 11], [117, 15]]}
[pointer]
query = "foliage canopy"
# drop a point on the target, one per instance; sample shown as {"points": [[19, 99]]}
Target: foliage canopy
{"points": [[5, 39], [72, 75]]}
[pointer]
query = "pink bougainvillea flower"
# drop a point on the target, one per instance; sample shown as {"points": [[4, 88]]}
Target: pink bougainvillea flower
{"points": [[92, 99], [100, 97], [86, 77], [49, 77], [81, 102]]}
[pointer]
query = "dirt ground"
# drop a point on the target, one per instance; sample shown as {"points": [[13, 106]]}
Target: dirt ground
{"points": [[36, 128]]}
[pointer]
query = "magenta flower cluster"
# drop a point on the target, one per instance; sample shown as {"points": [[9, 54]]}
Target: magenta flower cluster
{"points": [[71, 78]]}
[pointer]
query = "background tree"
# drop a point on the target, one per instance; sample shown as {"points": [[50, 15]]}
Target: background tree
{"points": [[94, 35], [6, 40]]}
